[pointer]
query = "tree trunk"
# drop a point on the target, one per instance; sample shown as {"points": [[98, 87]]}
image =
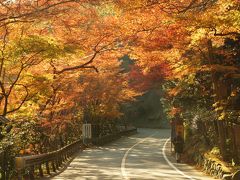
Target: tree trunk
{"points": [[234, 144], [220, 91], [222, 139], [4, 113]]}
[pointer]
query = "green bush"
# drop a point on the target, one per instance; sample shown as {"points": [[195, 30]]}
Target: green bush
{"points": [[215, 150]]}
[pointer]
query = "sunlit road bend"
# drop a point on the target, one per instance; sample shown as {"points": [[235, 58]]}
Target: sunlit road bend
{"points": [[145, 155]]}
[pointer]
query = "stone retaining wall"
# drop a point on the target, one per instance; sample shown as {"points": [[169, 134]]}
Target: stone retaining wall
{"points": [[216, 168]]}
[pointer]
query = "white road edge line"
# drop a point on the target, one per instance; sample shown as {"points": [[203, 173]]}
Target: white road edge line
{"points": [[171, 164], [123, 164]]}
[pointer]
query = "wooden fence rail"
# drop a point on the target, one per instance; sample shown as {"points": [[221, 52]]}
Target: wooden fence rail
{"points": [[28, 167]]}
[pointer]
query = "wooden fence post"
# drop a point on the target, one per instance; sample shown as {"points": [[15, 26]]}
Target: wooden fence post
{"points": [[47, 167]]}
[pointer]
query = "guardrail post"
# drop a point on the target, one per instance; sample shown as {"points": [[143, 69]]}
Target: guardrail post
{"points": [[53, 166], [19, 175], [58, 160], [57, 163], [20, 165], [31, 173], [40, 170], [64, 157], [47, 168]]}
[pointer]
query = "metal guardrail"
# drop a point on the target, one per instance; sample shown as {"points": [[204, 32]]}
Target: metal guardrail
{"points": [[44, 163], [28, 166], [129, 131], [111, 137]]}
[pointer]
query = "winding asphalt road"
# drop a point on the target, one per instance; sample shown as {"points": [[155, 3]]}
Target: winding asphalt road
{"points": [[145, 155]]}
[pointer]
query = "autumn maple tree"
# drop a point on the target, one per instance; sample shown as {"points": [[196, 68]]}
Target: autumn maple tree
{"points": [[60, 64], [198, 41], [57, 64]]}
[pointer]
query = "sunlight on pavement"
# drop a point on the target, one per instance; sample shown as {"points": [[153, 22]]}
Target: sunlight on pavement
{"points": [[144, 161]]}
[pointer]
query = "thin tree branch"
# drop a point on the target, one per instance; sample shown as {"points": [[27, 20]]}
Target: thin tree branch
{"points": [[79, 66], [225, 34], [91, 67], [3, 49], [21, 17], [86, 64], [26, 98], [15, 81], [36, 11]]}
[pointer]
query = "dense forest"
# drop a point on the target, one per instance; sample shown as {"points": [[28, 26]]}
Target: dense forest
{"points": [[61, 65]]}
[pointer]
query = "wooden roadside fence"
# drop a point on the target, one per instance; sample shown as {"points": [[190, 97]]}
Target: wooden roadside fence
{"points": [[28, 167]]}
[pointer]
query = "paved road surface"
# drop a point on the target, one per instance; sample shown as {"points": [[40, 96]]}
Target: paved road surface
{"points": [[145, 155]]}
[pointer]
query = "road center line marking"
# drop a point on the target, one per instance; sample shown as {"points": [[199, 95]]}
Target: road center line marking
{"points": [[123, 164], [171, 164]]}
